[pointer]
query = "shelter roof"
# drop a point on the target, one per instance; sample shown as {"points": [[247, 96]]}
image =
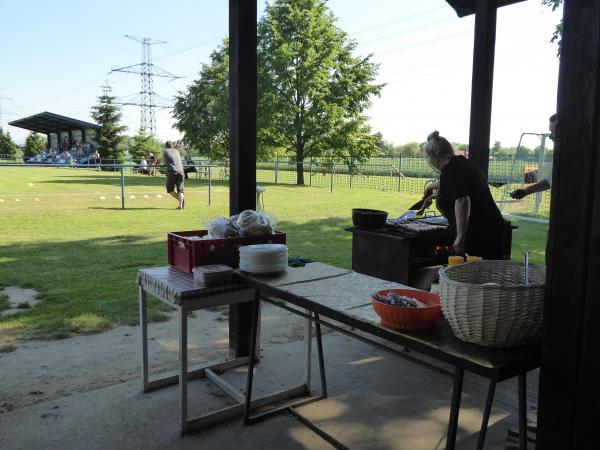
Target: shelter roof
{"points": [[47, 122], [466, 7]]}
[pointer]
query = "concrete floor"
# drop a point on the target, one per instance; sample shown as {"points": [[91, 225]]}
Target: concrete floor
{"points": [[377, 400]]}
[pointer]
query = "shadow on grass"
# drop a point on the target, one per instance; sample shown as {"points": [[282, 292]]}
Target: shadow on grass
{"points": [[159, 180], [130, 180], [127, 208], [86, 286]]}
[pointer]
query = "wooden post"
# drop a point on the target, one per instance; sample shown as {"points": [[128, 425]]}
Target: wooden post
{"points": [[242, 126], [569, 389], [482, 83]]}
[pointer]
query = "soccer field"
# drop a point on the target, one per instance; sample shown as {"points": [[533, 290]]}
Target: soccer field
{"points": [[65, 235]]}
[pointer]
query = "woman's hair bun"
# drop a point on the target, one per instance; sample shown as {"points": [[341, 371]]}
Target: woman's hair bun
{"points": [[433, 135]]}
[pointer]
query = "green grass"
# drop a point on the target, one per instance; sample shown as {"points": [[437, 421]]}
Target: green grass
{"points": [[4, 302], [82, 252]]}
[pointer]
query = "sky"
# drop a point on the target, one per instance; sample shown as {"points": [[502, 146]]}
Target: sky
{"points": [[57, 55]]}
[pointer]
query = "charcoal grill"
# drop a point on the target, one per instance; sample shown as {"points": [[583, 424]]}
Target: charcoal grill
{"points": [[392, 253]]}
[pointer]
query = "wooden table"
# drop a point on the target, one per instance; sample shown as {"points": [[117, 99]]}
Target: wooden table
{"points": [[179, 290], [344, 298]]}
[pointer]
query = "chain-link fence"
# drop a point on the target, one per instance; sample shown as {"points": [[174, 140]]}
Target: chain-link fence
{"points": [[409, 175], [398, 174]]}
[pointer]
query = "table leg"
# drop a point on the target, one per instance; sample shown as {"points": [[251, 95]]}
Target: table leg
{"points": [[308, 349], [253, 333], [523, 411], [144, 328], [486, 414], [454, 408], [320, 354], [183, 369]]}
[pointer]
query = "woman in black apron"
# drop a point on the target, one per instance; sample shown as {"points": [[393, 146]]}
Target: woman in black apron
{"points": [[465, 199]]}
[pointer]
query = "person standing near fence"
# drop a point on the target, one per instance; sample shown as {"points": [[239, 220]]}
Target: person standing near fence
{"points": [[545, 183], [153, 163], [174, 167], [96, 158]]}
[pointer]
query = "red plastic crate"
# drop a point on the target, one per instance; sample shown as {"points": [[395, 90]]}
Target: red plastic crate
{"points": [[185, 253]]}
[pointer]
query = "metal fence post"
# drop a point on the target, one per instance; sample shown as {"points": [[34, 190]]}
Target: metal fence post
{"points": [[399, 170], [209, 182], [122, 188], [538, 195], [276, 168], [331, 182], [310, 179], [351, 170]]}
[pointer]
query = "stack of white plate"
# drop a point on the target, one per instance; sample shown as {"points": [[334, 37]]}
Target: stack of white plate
{"points": [[263, 258]]}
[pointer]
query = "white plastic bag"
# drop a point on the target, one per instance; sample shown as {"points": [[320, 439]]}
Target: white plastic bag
{"points": [[220, 228], [254, 223]]}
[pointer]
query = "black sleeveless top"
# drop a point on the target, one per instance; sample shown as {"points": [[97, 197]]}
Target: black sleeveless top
{"points": [[485, 232]]}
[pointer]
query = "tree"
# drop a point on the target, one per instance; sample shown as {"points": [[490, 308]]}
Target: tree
{"points": [[107, 115], [143, 144], [411, 150], [557, 35], [312, 89], [202, 112], [7, 146], [34, 145]]}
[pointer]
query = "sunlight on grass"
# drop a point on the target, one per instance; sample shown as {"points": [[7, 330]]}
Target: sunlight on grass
{"points": [[88, 323]]}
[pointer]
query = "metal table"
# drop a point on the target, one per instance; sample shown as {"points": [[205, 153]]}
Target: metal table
{"points": [[344, 299], [179, 290]]}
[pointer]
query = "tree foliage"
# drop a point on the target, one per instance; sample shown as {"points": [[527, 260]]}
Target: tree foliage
{"points": [[312, 90], [7, 146], [411, 149], [557, 35], [142, 144], [107, 115], [34, 145], [202, 112]]}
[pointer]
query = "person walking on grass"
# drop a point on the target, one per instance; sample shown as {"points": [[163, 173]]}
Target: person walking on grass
{"points": [[172, 161]]}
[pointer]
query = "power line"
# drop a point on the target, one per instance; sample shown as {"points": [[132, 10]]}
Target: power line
{"points": [[191, 47], [401, 19]]}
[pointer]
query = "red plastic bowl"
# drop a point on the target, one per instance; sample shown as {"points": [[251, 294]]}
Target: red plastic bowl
{"points": [[403, 318]]}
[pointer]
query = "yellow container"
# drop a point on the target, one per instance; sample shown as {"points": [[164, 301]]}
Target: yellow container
{"points": [[455, 260], [474, 259]]}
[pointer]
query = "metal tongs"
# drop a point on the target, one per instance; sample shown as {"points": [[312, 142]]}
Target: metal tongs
{"points": [[421, 205]]}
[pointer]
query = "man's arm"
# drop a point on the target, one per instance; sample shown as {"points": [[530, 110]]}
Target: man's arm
{"points": [[540, 186]]}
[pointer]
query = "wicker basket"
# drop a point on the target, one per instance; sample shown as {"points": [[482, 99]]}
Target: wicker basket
{"points": [[488, 303]]}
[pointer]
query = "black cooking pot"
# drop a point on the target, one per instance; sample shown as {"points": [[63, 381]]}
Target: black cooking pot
{"points": [[368, 219]]}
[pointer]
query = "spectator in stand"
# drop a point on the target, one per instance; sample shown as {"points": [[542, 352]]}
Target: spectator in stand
{"points": [[67, 157], [143, 166], [96, 159], [153, 163], [188, 164]]}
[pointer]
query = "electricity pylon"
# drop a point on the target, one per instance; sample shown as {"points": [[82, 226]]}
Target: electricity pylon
{"points": [[147, 98]]}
